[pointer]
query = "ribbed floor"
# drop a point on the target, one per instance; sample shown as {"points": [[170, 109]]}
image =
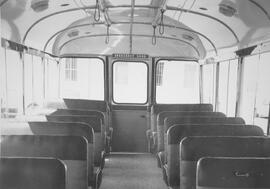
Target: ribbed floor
{"points": [[131, 170]]}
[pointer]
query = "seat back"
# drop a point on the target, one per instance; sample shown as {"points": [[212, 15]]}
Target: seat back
{"points": [[32, 173], [177, 114], [72, 150], [84, 104], [170, 121], [95, 123], [177, 133], [236, 173], [70, 112], [194, 148], [157, 108], [59, 128]]}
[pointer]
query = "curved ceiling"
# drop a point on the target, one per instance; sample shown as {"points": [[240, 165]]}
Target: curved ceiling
{"points": [[192, 28]]}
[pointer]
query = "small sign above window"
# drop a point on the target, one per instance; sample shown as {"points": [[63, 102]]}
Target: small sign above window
{"points": [[131, 56]]}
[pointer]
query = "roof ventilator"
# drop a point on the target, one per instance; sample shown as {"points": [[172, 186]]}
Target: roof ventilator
{"points": [[39, 5], [227, 8], [73, 33], [187, 37]]}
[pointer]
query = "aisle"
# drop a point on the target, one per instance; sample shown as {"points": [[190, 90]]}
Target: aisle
{"points": [[131, 170]]}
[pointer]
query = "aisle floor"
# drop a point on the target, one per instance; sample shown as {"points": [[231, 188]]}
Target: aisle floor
{"points": [[132, 170]]}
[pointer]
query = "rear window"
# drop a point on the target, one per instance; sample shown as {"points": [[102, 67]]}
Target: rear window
{"points": [[177, 82]]}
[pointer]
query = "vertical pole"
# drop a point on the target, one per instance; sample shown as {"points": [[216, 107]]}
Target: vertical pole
{"points": [[201, 83], [217, 87], [239, 85]]}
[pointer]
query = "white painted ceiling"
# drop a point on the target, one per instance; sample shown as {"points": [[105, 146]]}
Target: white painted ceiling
{"points": [[200, 20]]}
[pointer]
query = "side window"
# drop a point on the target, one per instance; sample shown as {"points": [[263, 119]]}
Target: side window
{"points": [[177, 82], [130, 82], [262, 101], [209, 79]]}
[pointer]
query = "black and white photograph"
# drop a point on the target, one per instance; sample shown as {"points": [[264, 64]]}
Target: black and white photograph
{"points": [[135, 94]]}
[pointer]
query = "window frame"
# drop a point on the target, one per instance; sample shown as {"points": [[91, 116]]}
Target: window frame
{"points": [[155, 76], [112, 82]]}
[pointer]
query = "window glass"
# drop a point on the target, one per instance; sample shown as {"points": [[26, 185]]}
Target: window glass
{"points": [[52, 80], [262, 100], [130, 82], [250, 70], [2, 81], [209, 79], [28, 80], [232, 87], [82, 78], [223, 87], [180, 82], [14, 83], [38, 78]]}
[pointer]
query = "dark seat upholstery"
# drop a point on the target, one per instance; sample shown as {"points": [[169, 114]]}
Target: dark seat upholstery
{"points": [[95, 123], [32, 173], [177, 133], [61, 128], [177, 114], [84, 104], [72, 150], [157, 108], [97, 113], [233, 173], [170, 121], [70, 112], [194, 148]]}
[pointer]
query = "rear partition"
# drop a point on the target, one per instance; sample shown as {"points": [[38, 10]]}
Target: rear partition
{"points": [[32, 173], [72, 150]]}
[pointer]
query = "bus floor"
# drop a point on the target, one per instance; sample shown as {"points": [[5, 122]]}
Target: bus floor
{"points": [[132, 170]]}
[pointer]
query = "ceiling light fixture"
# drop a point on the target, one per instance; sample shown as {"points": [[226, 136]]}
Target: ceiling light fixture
{"points": [[73, 33], [39, 5], [187, 37], [203, 8], [64, 4], [227, 8]]}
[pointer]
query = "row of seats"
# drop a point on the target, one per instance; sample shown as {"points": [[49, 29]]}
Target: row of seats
{"points": [[184, 138], [75, 138]]}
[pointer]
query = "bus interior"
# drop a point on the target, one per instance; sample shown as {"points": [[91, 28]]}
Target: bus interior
{"points": [[143, 94]]}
